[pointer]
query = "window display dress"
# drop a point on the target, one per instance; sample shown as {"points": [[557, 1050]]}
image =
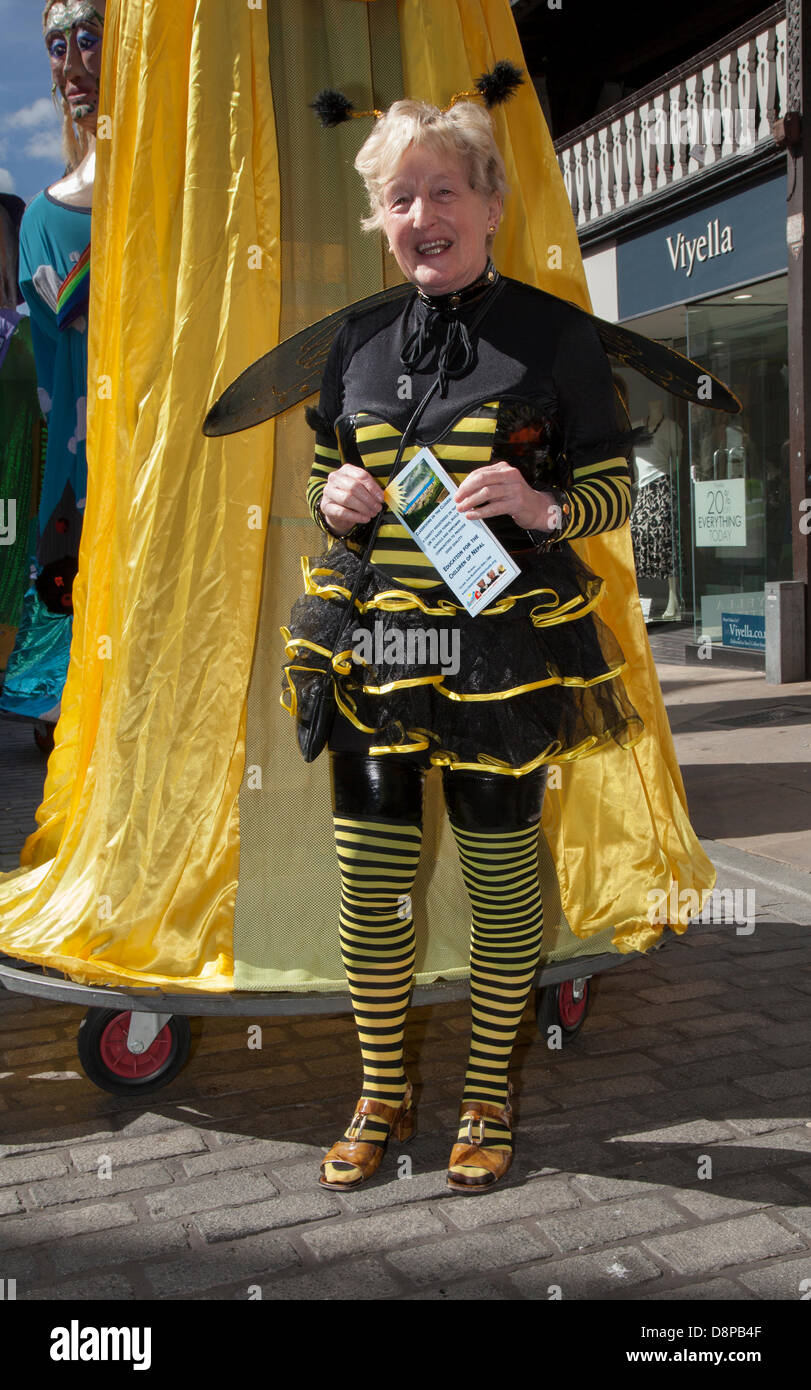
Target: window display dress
{"points": [[653, 515], [539, 673]]}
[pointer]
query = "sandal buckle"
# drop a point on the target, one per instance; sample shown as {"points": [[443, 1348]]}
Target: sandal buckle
{"points": [[480, 1121], [356, 1127]]}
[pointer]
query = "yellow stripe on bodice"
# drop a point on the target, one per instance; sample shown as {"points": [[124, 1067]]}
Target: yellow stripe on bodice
{"points": [[469, 445]]}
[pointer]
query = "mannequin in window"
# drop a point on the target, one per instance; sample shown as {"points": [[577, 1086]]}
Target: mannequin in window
{"points": [[652, 520]]}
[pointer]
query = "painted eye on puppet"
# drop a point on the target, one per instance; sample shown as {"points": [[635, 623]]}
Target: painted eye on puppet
{"points": [[88, 40], [57, 47]]}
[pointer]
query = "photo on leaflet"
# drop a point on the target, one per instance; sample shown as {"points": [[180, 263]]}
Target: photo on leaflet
{"points": [[415, 496], [487, 579]]}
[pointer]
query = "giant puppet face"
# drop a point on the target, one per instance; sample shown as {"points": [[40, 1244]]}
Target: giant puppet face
{"points": [[73, 33]]}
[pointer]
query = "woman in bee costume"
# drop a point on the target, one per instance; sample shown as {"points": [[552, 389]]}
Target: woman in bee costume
{"points": [[181, 841], [514, 395]]}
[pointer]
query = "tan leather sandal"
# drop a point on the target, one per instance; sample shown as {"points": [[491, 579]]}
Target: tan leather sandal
{"points": [[366, 1158], [471, 1154]]}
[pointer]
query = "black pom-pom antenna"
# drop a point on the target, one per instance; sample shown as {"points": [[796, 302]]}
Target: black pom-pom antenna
{"points": [[494, 87], [332, 108], [499, 84]]}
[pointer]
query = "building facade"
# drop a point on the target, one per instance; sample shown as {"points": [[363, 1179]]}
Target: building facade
{"points": [[679, 194]]}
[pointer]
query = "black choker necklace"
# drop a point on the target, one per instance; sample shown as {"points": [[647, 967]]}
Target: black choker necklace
{"points": [[458, 299], [441, 328]]}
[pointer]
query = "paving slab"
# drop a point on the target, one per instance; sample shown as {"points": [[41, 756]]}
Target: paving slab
{"points": [[707, 1248], [714, 1290], [589, 1276]]}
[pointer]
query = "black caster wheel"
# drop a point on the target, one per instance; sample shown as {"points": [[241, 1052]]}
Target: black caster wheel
{"points": [[109, 1064], [563, 1006], [44, 737]]}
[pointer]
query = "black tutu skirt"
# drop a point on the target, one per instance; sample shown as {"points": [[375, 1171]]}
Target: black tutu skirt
{"points": [[532, 679]]}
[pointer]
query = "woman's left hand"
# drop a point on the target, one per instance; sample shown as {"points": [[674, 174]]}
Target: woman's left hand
{"points": [[499, 489]]}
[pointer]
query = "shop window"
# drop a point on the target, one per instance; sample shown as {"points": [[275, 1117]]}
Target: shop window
{"points": [[739, 467], [711, 521]]}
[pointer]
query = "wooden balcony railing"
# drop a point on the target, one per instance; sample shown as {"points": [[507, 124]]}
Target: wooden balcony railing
{"points": [[718, 107]]}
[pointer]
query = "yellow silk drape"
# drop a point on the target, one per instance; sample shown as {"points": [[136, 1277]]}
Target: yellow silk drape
{"points": [[132, 873], [618, 826]]}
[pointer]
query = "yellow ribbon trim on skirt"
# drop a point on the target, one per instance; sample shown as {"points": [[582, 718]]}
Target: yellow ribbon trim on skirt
{"points": [[399, 600]]}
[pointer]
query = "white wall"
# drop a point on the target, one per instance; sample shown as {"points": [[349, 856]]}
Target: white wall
{"points": [[601, 275]]}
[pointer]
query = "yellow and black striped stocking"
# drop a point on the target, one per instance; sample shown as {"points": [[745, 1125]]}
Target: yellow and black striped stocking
{"points": [[495, 821], [378, 835]]}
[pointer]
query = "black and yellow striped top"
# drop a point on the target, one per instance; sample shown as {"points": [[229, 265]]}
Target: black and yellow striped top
{"points": [[552, 414]]}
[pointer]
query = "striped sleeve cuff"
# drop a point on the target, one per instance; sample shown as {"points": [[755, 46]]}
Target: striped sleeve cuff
{"points": [[600, 497], [326, 459]]}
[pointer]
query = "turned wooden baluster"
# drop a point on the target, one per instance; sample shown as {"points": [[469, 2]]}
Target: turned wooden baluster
{"points": [[766, 77], [710, 115], [780, 67], [695, 150], [727, 78], [633, 154], [606, 170], [677, 133], [747, 60], [619, 155]]}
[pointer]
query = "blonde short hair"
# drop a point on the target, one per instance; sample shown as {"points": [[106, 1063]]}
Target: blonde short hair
{"points": [[465, 131]]}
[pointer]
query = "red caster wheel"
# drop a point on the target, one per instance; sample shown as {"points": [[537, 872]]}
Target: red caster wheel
{"points": [[109, 1063], [564, 1006]]}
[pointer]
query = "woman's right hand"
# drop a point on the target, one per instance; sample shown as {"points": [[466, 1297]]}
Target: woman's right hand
{"points": [[350, 497]]}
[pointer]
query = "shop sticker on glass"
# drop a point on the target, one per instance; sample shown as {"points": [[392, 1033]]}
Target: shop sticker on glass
{"points": [[744, 630], [465, 553], [720, 511]]}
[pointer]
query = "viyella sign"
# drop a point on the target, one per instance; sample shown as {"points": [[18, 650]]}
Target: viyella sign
{"points": [[730, 241], [717, 241]]}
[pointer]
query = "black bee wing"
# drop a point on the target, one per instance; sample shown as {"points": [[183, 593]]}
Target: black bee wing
{"points": [[292, 371], [669, 369], [287, 374]]}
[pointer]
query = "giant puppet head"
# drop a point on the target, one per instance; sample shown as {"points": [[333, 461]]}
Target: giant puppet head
{"points": [[73, 31]]}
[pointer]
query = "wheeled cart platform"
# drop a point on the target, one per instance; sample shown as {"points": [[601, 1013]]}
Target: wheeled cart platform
{"points": [[140, 1039]]}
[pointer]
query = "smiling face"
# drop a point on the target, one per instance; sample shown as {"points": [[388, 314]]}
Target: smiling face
{"points": [[73, 35], [437, 225]]}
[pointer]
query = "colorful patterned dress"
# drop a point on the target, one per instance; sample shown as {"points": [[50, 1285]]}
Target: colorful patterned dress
{"points": [[53, 239]]}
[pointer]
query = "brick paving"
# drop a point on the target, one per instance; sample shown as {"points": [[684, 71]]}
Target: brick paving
{"points": [[663, 1155]]}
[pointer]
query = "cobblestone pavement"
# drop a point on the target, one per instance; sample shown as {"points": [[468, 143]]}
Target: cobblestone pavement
{"points": [[664, 1154]]}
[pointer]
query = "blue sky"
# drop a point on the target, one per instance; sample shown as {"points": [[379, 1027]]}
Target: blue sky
{"points": [[30, 146]]}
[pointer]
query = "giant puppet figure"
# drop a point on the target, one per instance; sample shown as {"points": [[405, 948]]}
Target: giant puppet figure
{"points": [[182, 841], [20, 433], [54, 274]]}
